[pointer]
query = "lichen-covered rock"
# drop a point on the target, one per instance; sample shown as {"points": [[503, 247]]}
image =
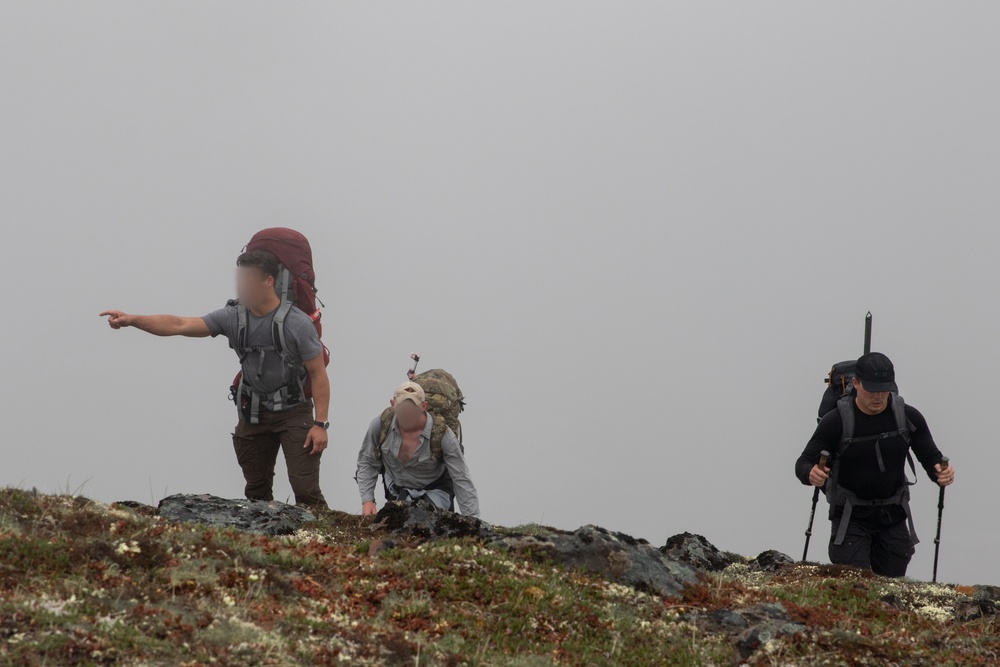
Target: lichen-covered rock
{"points": [[256, 516], [770, 561], [768, 621], [984, 601], [616, 557], [748, 628], [698, 552], [423, 519]]}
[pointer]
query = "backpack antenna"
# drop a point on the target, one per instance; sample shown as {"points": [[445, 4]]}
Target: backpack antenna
{"points": [[413, 371], [868, 332]]}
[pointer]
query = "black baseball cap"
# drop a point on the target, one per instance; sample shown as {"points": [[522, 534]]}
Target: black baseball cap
{"points": [[875, 372]]}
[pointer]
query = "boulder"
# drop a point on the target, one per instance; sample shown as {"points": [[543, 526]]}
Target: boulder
{"points": [[698, 552], [771, 561], [256, 516], [423, 519], [616, 557]]}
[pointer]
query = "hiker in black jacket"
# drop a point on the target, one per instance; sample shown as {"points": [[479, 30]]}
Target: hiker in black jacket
{"points": [[871, 434]]}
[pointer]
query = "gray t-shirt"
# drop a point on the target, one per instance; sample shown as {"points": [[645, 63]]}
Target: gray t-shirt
{"points": [[301, 339]]}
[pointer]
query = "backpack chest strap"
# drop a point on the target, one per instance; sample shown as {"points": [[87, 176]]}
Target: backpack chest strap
{"points": [[881, 436]]}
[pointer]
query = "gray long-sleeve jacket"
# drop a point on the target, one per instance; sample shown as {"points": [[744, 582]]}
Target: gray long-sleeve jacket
{"points": [[422, 468]]}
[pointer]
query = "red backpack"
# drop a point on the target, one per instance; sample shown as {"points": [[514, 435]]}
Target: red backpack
{"points": [[296, 286]]}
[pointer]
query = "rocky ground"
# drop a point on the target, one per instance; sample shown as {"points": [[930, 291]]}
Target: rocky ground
{"points": [[206, 581]]}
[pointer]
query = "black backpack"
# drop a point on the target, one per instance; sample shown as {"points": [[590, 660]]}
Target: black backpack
{"points": [[839, 384]]}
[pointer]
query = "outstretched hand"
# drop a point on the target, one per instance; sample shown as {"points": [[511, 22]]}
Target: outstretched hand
{"points": [[117, 319], [946, 476]]}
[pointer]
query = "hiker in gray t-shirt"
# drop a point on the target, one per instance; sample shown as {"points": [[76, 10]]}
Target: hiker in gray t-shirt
{"points": [[275, 412]]}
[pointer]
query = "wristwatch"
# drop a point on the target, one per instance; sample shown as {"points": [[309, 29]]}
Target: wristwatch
{"points": [[325, 425]]}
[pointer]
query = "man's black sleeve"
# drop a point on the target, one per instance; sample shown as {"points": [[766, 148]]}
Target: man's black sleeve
{"points": [[826, 436], [922, 443]]}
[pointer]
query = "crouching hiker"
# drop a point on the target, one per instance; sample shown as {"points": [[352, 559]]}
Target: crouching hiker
{"points": [[418, 455], [871, 434]]}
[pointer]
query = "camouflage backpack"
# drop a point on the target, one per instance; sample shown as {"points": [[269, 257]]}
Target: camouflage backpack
{"points": [[444, 401]]}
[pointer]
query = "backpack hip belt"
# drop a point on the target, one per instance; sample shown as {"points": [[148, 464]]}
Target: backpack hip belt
{"points": [[851, 500], [281, 399]]}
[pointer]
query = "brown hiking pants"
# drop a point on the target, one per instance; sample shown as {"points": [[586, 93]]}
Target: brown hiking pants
{"points": [[257, 447]]}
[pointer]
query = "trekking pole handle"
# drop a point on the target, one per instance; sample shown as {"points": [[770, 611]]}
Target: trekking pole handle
{"points": [[944, 462], [823, 457]]}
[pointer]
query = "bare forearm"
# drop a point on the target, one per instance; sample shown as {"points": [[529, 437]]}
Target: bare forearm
{"points": [[159, 325], [321, 395]]}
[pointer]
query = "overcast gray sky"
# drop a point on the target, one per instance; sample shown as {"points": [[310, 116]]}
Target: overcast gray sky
{"points": [[641, 233]]}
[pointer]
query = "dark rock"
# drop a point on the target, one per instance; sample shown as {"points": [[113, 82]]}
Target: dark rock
{"points": [[985, 601], [983, 592], [696, 551], [747, 628], [771, 561], [137, 507], [256, 516], [726, 617], [423, 519], [768, 620], [970, 610], [617, 557]]}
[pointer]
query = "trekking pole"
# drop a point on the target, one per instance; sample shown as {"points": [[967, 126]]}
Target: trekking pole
{"points": [[937, 538], [823, 456], [868, 332], [413, 371]]}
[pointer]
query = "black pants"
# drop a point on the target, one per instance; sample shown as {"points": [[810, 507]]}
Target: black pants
{"points": [[884, 550], [443, 482]]}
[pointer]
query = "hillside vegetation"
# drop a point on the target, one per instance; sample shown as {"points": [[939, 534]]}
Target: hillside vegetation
{"points": [[84, 583]]}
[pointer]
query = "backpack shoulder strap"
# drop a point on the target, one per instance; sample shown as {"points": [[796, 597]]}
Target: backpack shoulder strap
{"points": [[846, 409], [438, 429], [831, 489], [293, 370], [278, 325], [903, 425], [241, 329], [385, 423]]}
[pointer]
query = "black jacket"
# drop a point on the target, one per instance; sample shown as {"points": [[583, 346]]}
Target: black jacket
{"points": [[859, 469]]}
